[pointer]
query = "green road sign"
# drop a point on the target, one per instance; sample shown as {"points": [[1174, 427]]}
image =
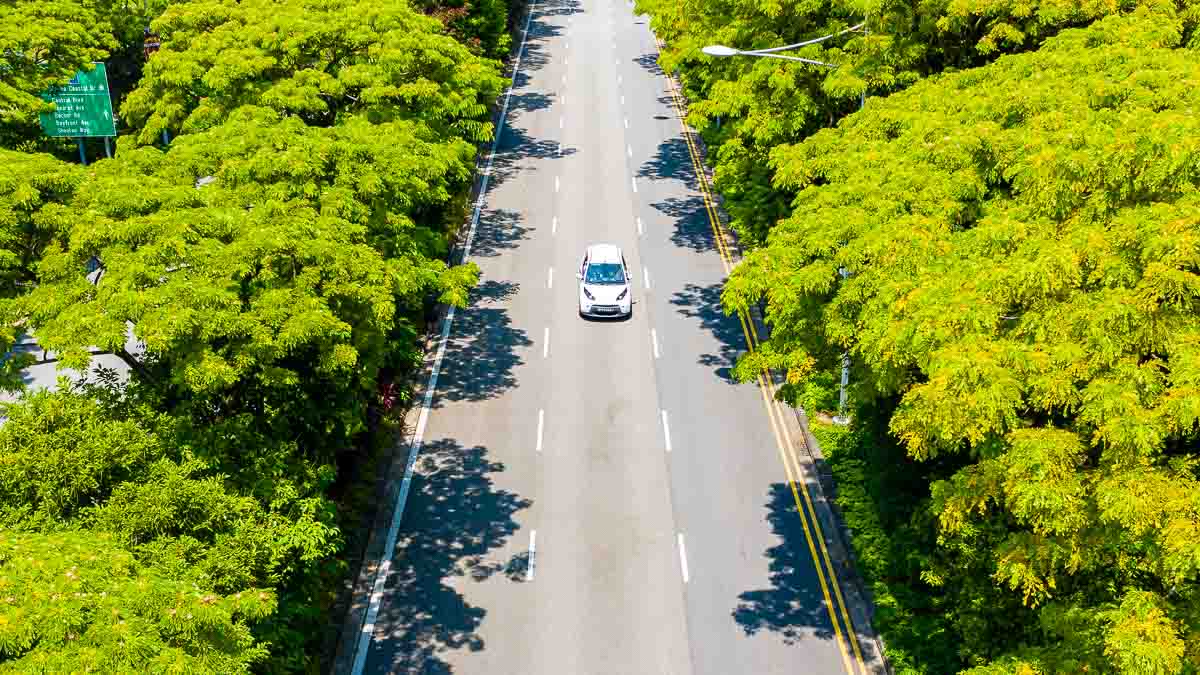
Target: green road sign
{"points": [[83, 107]]}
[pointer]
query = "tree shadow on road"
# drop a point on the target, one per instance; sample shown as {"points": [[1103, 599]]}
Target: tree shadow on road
{"points": [[692, 227], [794, 606], [498, 231], [518, 151], [650, 63], [453, 518], [561, 8], [482, 349], [671, 161], [703, 303]]}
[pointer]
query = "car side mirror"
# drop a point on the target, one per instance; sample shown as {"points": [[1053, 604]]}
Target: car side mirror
{"points": [[579, 276]]}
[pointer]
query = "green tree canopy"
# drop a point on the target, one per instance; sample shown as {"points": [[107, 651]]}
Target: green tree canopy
{"points": [[318, 59], [35, 190], [1024, 260], [43, 43], [76, 601], [275, 285]]}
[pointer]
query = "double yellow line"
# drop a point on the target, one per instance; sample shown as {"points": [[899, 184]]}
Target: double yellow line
{"points": [[783, 439]]}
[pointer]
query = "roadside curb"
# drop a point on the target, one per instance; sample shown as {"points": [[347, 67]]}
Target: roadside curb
{"points": [[819, 482]]}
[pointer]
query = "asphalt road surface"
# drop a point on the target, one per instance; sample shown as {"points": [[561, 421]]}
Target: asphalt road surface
{"points": [[600, 496]]}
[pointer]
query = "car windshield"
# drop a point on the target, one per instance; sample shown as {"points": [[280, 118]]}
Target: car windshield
{"points": [[604, 273]]}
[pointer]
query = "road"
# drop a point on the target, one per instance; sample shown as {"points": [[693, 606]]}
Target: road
{"points": [[598, 496]]}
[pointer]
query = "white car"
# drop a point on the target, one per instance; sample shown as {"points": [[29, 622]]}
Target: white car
{"points": [[604, 282]]}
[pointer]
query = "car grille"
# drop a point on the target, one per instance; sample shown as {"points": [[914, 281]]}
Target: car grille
{"points": [[605, 309]]}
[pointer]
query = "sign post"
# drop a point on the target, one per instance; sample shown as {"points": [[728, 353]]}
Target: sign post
{"points": [[82, 109]]}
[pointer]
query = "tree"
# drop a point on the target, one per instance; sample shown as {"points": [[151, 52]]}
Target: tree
{"points": [[43, 43], [280, 279], [75, 601], [762, 103], [1024, 264], [320, 60], [35, 190], [96, 466]]}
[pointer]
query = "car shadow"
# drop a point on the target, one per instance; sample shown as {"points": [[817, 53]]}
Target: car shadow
{"points": [[607, 319], [794, 606], [703, 303], [454, 518]]}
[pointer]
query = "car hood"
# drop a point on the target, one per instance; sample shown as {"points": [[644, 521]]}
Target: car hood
{"points": [[605, 293]]}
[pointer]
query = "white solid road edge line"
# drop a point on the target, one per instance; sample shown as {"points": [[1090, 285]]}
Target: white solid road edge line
{"points": [[385, 566], [666, 430], [532, 554], [683, 558], [546, 343], [541, 426], [654, 340]]}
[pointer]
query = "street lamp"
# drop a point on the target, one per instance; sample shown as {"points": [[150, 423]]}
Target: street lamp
{"points": [[721, 51]]}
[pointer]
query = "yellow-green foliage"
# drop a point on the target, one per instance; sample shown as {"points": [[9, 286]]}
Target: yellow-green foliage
{"points": [[1023, 242]]}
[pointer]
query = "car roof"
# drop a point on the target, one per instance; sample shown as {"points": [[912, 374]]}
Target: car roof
{"points": [[604, 253]]}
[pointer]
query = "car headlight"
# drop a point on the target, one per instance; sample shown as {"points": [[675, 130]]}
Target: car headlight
{"points": [[623, 294], [588, 295]]}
